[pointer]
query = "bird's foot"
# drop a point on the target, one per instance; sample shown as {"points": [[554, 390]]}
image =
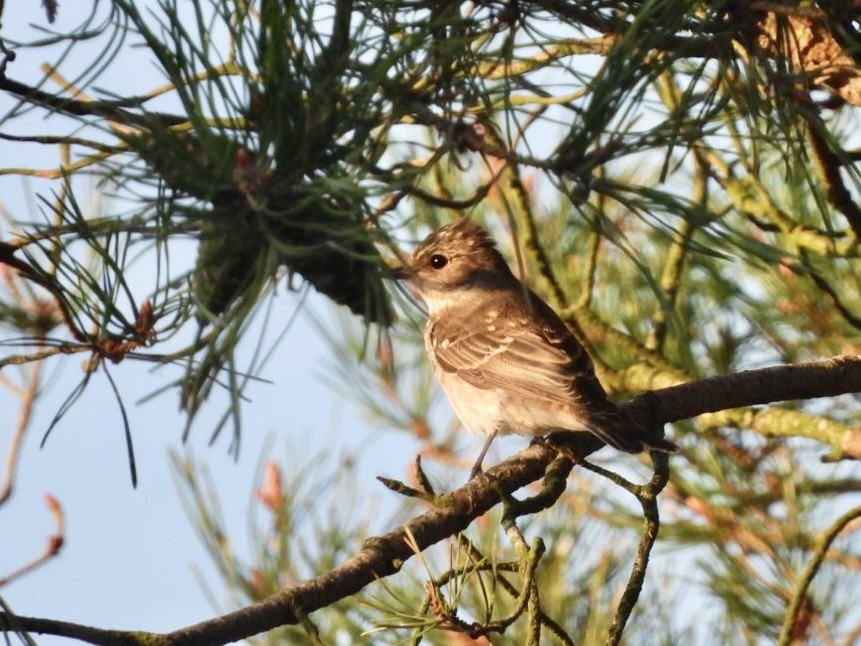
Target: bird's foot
{"points": [[476, 472]]}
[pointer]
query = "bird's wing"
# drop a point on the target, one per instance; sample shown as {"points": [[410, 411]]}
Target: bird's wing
{"points": [[536, 360], [532, 354]]}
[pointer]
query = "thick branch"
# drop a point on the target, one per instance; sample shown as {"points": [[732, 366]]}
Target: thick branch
{"points": [[385, 555], [828, 378]]}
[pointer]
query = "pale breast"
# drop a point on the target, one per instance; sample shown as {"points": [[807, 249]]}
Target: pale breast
{"points": [[480, 411], [477, 409]]}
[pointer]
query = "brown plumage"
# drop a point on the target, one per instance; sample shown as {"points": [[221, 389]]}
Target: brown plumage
{"points": [[506, 361]]}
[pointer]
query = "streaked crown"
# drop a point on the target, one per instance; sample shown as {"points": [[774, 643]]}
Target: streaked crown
{"points": [[460, 255]]}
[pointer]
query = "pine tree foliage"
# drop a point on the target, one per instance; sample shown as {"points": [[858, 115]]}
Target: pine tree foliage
{"points": [[679, 179]]}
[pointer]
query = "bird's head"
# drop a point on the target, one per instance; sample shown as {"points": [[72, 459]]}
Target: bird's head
{"points": [[457, 257]]}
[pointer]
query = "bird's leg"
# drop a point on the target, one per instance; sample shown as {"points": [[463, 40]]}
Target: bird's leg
{"points": [[476, 468]]}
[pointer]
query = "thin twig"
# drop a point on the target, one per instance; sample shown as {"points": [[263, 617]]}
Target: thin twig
{"points": [[648, 498], [52, 547], [800, 594], [25, 414]]}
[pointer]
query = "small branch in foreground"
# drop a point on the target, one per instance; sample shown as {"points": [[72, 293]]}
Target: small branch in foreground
{"points": [[648, 497]]}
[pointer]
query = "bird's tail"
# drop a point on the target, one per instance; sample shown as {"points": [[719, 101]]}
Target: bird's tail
{"points": [[660, 444], [619, 430]]}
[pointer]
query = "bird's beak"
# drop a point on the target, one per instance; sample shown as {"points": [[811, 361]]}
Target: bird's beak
{"points": [[404, 273], [399, 273]]}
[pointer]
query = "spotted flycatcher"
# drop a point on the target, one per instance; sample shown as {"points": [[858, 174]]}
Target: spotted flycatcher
{"points": [[506, 361]]}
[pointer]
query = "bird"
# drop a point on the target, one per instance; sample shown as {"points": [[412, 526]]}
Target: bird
{"points": [[504, 358]]}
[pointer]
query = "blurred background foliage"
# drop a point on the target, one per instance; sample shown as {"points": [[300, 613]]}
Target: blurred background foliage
{"points": [[678, 178]]}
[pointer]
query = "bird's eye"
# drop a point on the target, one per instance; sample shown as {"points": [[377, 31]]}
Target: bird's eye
{"points": [[438, 261]]}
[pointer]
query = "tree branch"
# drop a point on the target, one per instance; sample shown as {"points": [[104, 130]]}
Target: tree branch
{"points": [[106, 109], [384, 555], [827, 378]]}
